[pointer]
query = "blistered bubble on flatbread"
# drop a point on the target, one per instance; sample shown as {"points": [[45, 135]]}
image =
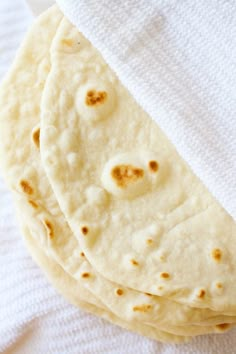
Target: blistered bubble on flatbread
{"points": [[129, 175], [95, 100], [96, 195]]}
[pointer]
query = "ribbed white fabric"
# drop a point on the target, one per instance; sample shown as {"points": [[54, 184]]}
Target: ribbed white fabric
{"points": [[33, 318], [38, 6], [177, 58]]}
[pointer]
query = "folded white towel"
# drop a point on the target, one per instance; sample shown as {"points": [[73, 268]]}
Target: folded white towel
{"points": [[38, 6], [178, 59]]}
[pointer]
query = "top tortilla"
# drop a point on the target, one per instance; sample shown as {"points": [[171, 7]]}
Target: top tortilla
{"points": [[142, 217]]}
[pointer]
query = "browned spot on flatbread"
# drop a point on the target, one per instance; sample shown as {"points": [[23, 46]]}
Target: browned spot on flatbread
{"points": [[119, 292], [26, 187], [36, 137], [149, 241], [201, 294], [142, 308], [134, 262], [82, 254], [85, 275], [33, 204], [49, 227], [162, 257], [84, 230], [219, 285], [67, 41], [153, 165], [165, 275], [126, 174], [223, 326], [148, 294], [94, 97], [216, 254]]}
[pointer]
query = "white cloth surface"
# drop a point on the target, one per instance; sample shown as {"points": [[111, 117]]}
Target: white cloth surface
{"points": [[38, 6], [34, 319], [178, 59]]}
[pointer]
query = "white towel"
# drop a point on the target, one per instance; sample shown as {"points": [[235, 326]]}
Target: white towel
{"points": [[33, 318], [178, 59]]}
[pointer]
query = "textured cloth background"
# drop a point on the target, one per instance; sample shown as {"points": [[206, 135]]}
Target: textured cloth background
{"points": [[178, 59], [33, 318], [38, 6]]}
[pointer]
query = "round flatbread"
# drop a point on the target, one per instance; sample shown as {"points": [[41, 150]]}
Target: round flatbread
{"points": [[141, 216], [67, 286]]}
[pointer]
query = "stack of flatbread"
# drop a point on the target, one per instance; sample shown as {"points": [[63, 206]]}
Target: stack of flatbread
{"points": [[109, 210]]}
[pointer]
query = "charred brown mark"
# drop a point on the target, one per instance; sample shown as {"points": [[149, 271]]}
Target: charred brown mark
{"points": [[84, 230], [223, 326], [201, 294], [85, 275], [94, 98], [153, 165], [33, 204], [49, 227], [36, 137], [119, 292], [142, 308], [134, 262], [26, 187], [165, 275], [126, 174], [216, 254]]}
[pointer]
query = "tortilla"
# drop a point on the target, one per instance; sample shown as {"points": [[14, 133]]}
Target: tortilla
{"points": [[142, 218], [67, 286]]}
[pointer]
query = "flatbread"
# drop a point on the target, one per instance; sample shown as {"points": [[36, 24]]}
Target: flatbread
{"points": [[67, 286], [141, 216]]}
